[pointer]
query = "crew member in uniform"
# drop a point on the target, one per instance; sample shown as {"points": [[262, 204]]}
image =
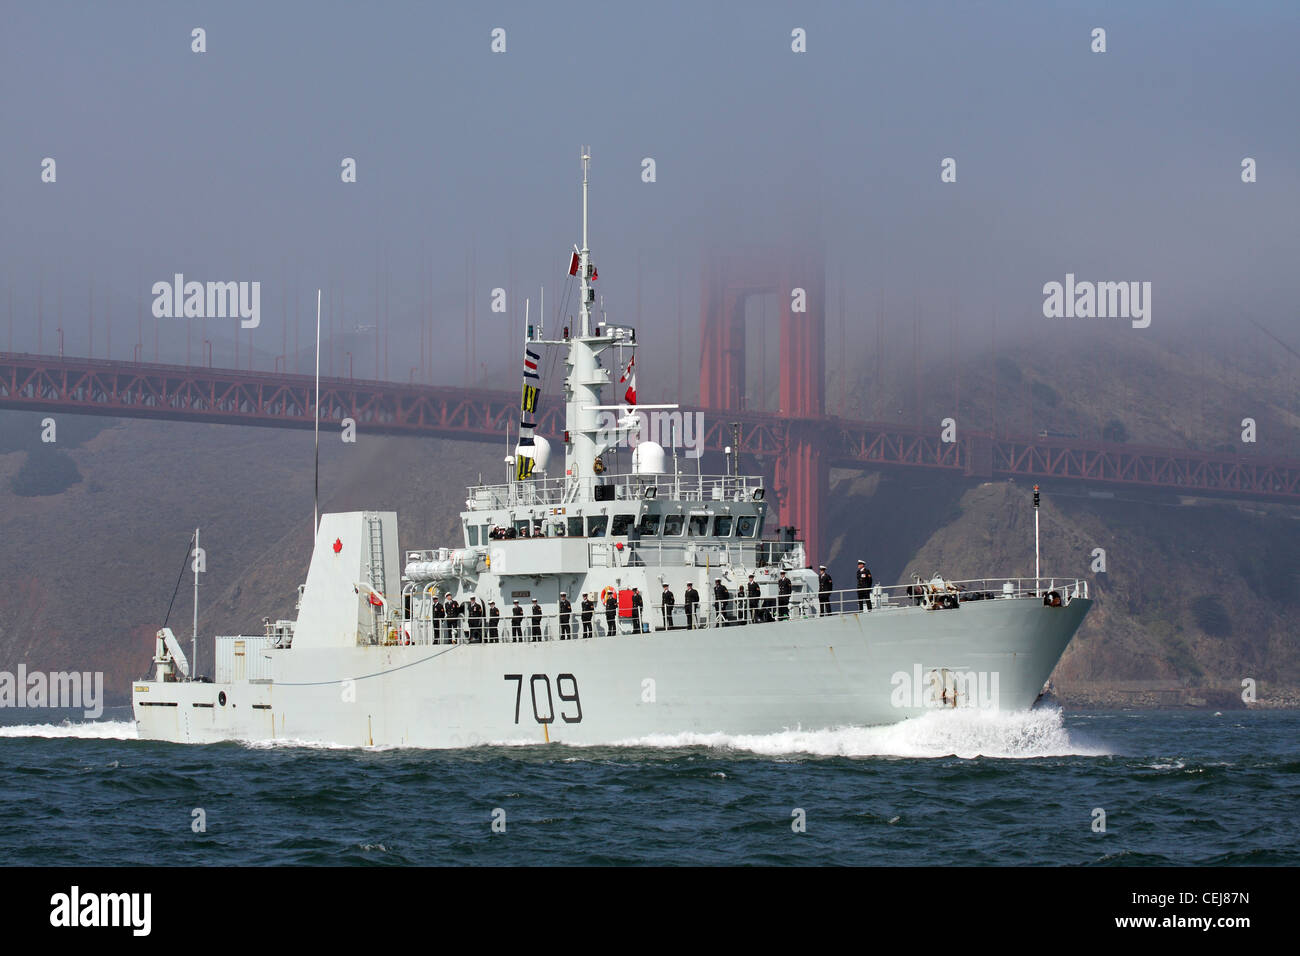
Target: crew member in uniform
{"points": [[753, 592], [453, 618], [436, 614], [494, 622], [588, 606], [611, 609], [864, 585], [783, 588], [536, 631], [721, 598], [474, 621], [669, 603], [516, 622], [566, 615], [691, 599], [637, 604], [824, 586]]}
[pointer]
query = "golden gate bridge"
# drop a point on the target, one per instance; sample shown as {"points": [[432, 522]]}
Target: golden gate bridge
{"points": [[800, 442]]}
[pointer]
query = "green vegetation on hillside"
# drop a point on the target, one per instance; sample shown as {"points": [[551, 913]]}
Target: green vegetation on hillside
{"points": [[46, 471]]}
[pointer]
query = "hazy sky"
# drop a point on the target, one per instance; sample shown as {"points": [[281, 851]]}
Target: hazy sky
{"points": [[225, 165]]}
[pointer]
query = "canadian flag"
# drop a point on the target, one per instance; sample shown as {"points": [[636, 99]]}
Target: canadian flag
{"points": [[629, 376]]}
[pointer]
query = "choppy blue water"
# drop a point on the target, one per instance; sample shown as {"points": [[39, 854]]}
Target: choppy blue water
{"points": [[950, 788]]}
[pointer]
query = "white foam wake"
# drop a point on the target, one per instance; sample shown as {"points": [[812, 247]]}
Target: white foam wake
{"points": [[87, 730], [299, 743], [960, 733]]}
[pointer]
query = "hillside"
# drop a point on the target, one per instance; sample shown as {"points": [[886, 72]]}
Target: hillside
{"points": [[1196, 596], [90, 571]]}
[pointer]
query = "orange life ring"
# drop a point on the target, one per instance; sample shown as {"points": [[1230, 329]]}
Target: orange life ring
{"points": [[605, 593]]}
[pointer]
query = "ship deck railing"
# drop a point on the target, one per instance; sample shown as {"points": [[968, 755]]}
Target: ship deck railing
{"points": [[555, 492], [923, 596]]}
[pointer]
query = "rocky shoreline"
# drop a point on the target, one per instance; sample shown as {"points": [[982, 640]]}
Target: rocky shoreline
{"points": [[1170, 695]]}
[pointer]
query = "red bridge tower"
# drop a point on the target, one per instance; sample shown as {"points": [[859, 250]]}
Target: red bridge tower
{"points": [[798, 282]]}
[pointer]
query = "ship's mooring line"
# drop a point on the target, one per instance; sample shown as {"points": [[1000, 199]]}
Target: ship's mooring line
{"points": [[340, 680]]}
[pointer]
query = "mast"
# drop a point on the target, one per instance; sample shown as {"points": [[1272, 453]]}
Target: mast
{"points": [[315, 508], [589, 434], [194, 634], [584, 256]]}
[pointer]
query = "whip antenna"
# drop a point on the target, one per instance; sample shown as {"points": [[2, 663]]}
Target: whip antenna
{"points": [[315, 509]]}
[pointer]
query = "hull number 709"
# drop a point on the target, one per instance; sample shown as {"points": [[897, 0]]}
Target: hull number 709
{"points": [[543, 702]]}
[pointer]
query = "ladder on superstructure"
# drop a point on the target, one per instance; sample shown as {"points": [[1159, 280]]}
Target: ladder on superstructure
{"points": [[376, 528]]}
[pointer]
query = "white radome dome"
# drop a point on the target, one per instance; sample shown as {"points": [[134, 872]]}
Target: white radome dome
{"points": [[648, 459], [541, 452]]}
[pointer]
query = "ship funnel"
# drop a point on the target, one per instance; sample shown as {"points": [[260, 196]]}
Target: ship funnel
{"points": [[648, 459]]}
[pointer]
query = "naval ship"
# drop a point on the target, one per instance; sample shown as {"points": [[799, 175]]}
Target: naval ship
{"points": [[401, 649]]}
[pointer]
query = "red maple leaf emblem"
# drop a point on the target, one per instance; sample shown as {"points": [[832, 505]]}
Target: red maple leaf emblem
{"points": [[338, 545]]}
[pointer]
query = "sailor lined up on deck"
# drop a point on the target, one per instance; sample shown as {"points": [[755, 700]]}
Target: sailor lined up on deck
{"points": [[824, 587], [637, 603], [566, 615], [783, 588], [436, 615], [691, 598], [516, 622], [864, 585], [535, 633], [611, 610], [474, 619], [669, 602], [588, 606], [721, 600]]}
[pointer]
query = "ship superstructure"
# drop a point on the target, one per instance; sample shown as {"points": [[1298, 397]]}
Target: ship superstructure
{"points": [[404, 648]]}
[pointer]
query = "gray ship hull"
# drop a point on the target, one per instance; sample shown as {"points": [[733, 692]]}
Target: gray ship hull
{"points": [[860, 669]]}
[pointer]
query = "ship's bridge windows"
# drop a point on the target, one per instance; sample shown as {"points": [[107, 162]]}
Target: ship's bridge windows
{"points": [[622, 524], [473, 535], [673, 524], [649, 524], [699, 526], [746, 525], [575, 527], [722, 526], [596, 526]]}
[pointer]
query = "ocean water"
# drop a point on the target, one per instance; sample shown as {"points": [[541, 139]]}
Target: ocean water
{"points": [[951, 788]]}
